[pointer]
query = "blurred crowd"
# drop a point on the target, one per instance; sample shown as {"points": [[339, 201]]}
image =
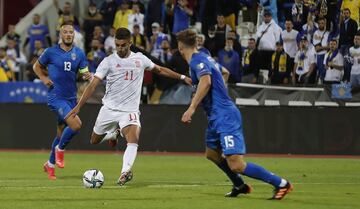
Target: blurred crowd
{"points": [[286, 42]]}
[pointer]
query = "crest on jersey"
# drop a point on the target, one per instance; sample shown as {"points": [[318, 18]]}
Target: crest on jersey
{"points": [[200, 66], [118, 65], [137, 63], [73, 56]]}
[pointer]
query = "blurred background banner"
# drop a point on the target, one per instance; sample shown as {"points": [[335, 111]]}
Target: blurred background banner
{"points": [[23, 92]]}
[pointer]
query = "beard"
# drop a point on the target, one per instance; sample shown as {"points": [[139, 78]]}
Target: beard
{"points": [[122, 54], [67, 43]]}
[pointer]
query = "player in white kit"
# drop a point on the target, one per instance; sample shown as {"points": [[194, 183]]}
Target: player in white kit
{"points": [[124, 71]]}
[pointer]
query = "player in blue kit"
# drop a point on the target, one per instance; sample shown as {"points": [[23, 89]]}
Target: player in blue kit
{"points": [[224, 134], [57, 68]]}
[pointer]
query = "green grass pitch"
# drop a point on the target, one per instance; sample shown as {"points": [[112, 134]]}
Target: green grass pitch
{"points": [[174, 182]]}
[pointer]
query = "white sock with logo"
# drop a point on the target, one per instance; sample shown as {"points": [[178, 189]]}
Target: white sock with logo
{"points": [[129, 156]]}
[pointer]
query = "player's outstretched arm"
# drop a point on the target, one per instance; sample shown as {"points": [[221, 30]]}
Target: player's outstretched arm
{"points": [[166, 72], [89, 90], [225, 74], [39, 71], [202, 89]]}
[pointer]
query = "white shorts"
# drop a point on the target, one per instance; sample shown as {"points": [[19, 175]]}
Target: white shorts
{"points": [[109, 120]]}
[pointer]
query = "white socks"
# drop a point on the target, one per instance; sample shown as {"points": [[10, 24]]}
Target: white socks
{"points": [[283, 183], [129, 156]]}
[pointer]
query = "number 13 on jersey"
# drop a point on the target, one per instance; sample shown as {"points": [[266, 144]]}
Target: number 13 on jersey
{"points": [[67, 66]]}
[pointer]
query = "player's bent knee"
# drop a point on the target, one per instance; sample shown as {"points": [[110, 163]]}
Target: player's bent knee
{"points": [[237, 165]]}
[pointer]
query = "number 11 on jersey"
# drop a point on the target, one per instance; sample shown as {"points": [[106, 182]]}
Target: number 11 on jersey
{"points": [[129, 76]]}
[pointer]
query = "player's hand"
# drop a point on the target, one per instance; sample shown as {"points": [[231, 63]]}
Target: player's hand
{"points": [[186, 117], [47, 82], [188, 81], [73, 112], [87, 76]]}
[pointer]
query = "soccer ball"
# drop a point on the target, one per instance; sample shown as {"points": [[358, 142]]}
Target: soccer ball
{"points": [[93, 178]]}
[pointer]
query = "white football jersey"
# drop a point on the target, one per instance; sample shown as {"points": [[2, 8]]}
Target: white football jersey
{"points": [[290, 44], [355, 54], [124, 78]]}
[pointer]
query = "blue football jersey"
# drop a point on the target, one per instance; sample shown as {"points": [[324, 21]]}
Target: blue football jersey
{"points": [[63, 67], [217, 99]]}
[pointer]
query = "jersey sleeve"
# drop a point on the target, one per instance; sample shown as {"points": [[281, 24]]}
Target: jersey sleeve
{"points": [[200, 69], [147, 63], [103, 69], [44, 58]]}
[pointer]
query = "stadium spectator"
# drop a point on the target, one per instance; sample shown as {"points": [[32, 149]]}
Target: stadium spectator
{"points": [[136, 18], [6, 67], [230, 59], [37, 31], [250, 69], [221, 32], [230, 10], [95, 55], [156, 38], [299, 14], [154, 14], [163, 53], [237, 45], [268, 33], [348, 29], [288, 37], [108, 10], [309, 28], [353, 6], [139, 3], [67, 10], [11, 34], [39, 49], [17, 58], [354, 53], [271, 7], [330, 9], [121, 18], [138, 39], [334, 64], [305, 62], [280, 66], [92, 18], [98, 34], [210, 42], [182, 13], [200, 40], [320, 41], [109, 44]]}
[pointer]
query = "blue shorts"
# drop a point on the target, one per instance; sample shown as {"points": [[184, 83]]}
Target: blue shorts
{"points": [[225, 133], [61, 107]]}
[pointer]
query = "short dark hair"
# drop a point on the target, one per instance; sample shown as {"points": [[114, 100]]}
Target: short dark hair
{"points": [[334, 40], [252, 39], [321, 18], [187, 37], [347, 9], [122, 33], [67, 23]]}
